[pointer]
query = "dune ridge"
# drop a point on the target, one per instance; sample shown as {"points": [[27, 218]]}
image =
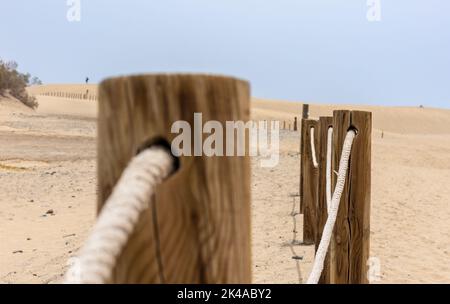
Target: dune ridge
{"points": [[402, 120]]}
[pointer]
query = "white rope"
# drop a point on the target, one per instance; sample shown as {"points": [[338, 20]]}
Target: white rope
{"points": [[328, 168], [332, 215], [132, 195], [313, 149]]}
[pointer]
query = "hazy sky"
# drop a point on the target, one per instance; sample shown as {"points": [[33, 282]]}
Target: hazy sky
{"points": [[315, 50]]}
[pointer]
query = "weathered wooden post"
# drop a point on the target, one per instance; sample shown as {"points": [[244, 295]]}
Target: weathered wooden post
{"points": [[325, 123], [309, 180], [198, 228], [305, 111], [350, 242], [295, 123]]}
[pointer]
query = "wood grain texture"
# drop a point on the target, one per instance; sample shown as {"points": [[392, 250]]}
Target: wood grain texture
{"points": [[351, 238], [198, 229], [305, 111], [310, 181], [322, 214], [302, 161]]}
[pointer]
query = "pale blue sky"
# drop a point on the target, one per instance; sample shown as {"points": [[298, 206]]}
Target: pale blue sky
{"points": [[315, 50]]}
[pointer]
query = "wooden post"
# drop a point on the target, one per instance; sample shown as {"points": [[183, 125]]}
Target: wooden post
{"points": [[198, 228], [295, 123], [350, 243], [322, 214], [309, 179], [302, 161], [305, 111]]}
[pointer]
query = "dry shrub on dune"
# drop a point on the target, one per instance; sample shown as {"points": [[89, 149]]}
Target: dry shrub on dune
{"points": [[14, 83]]}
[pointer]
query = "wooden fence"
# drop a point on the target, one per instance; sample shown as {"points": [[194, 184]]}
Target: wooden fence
{"points": [[71, 95], [348, 253], [197, 229]]}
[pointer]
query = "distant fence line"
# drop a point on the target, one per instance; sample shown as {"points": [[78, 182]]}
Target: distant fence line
{"points": [[71, 95], [288, 125]]}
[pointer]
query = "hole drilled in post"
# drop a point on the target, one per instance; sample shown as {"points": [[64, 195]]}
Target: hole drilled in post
{"points": [[163, 143], [354, 129]]}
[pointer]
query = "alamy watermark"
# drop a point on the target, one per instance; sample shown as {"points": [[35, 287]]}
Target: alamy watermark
{"points": [[374, 272], [74, 273], [374, 10], [74, 11], [227, 139]]}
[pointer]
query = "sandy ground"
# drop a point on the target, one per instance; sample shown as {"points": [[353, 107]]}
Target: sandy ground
{"points": [[48, 193]]}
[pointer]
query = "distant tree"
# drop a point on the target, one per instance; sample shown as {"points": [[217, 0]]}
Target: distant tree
{"points": [[11, 65], [35, 81]]}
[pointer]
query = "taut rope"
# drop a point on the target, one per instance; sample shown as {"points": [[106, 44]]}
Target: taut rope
{"points": [[313, 149], [133, 194], [332, 214]]}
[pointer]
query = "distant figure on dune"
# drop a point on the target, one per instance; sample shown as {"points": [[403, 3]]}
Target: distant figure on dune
{"points": [[87, 80]]}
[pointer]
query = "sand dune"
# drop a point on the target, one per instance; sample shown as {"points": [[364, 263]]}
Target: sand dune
{"points": [[48, 158], [66, 106], [9, 104], [66, 88], [402, 120]]}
